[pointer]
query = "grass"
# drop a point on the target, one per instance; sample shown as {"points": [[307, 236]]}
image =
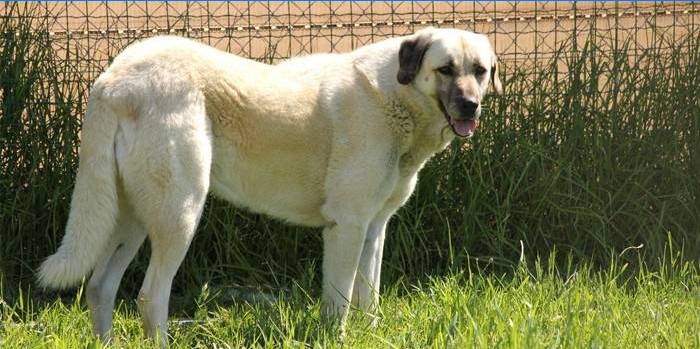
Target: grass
{"points": [[39, 99], [540, 306]]}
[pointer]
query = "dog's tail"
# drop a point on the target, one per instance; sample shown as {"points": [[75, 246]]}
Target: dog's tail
{"points": [[94, 207]]}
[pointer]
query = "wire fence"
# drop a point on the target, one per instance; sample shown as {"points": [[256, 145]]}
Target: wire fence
{"points": [[88, 34], [588, 176]]}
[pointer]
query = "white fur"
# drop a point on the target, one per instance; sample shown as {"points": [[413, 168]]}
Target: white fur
{"points": [[329, 140]]}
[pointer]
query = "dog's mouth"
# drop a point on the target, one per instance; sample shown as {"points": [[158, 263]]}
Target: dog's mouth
{"points": [[461, 127]]}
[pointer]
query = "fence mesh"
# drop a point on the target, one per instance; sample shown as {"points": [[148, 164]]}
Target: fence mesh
{"points": [[88, 34], [627, 176]]}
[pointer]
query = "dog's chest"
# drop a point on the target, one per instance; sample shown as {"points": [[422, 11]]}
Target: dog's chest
{"points": [[416, 156]]}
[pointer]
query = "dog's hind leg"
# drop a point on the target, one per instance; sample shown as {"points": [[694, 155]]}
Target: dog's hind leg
{"points": [[103, 285], [167, 181]]}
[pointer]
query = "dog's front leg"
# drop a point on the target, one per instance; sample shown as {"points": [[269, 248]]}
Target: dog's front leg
{"points": [[365, 293], [342, 245], [367, 281], [361, 174]]}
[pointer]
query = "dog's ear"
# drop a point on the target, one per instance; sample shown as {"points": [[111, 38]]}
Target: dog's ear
{"points": [[411, 55], [495, 80]]}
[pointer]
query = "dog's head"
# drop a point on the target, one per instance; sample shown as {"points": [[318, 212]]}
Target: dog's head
{"points": [[453, 68]]}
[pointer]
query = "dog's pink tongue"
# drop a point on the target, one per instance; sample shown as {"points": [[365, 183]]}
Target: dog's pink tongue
{"points": [[464, 128]]}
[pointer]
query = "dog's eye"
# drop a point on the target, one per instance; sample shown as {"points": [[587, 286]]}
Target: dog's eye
{"points": [[479, 70], [445, 70]]}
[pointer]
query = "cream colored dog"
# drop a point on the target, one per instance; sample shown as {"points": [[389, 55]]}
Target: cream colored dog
{"points": [[328, 140]]}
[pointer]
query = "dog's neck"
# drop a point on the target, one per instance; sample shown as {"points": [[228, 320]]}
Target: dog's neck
{"points": [[419, 135]]}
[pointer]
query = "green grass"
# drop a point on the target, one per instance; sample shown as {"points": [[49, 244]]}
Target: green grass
{"points": [[40, 98], [542, 306]]}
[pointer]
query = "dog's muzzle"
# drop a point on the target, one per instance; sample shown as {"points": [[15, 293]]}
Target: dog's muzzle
{"points": [[463, 126]]}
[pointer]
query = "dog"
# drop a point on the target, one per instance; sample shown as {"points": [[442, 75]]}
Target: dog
{"points": [[326, 140]]}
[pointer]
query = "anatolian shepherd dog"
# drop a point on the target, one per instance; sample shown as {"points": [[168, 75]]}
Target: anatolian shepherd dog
{"points": [[327, 140]]}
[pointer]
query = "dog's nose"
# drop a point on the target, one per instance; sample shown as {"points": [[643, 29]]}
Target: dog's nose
{"points": [[467, 106]]}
